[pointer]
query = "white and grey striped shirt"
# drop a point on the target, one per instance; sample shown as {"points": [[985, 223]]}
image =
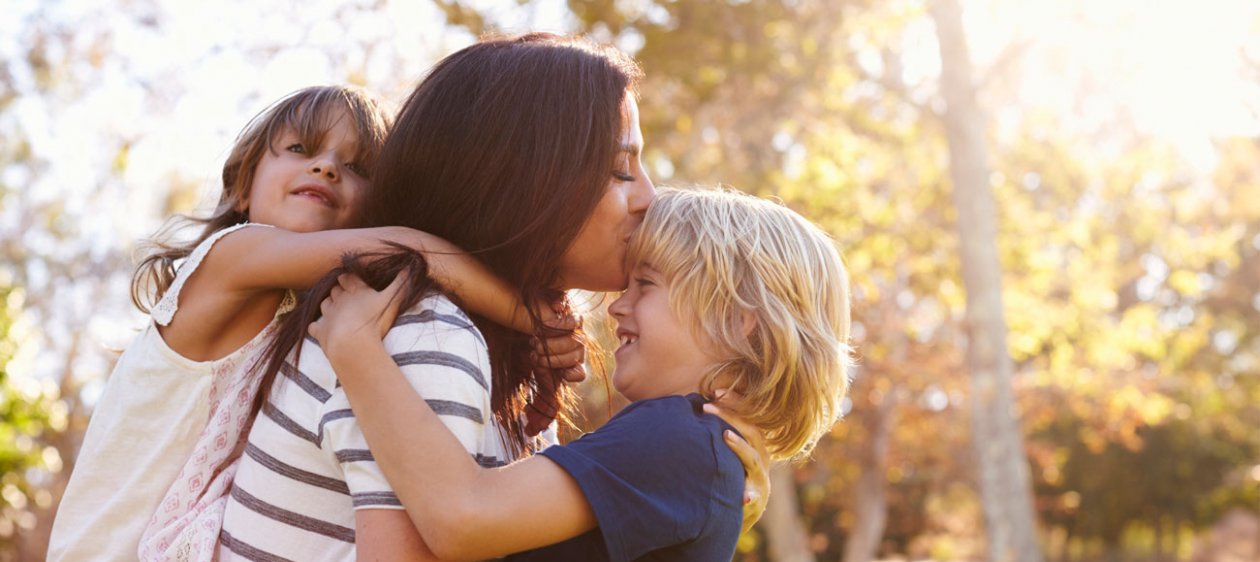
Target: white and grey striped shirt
{"points": [[307, 468]]}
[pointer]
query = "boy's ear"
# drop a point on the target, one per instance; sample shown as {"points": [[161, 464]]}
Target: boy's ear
{"points": [[748, 322]]}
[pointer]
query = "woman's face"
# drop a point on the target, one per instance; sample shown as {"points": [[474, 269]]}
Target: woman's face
{"points": [[596, 260]]}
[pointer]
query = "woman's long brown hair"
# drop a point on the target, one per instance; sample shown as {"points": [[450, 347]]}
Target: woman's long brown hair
{"points": [[504, 149]]}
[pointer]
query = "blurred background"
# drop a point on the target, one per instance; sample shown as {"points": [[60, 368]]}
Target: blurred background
{"points": [[1116, 142]]}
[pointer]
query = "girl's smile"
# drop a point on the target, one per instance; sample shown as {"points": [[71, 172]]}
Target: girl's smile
{"points": [[317, 193]]}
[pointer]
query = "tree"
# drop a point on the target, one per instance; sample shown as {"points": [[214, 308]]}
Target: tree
{"points": [[29, 412], [1005, 486]]}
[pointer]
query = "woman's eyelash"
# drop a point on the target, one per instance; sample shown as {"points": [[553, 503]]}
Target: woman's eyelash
{"points": [[623, 176]]}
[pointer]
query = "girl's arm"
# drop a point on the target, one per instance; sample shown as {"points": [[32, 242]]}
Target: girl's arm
{"points": [[252, 260], [248, 268]]}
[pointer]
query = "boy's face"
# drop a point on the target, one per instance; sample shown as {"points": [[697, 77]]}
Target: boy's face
{"points": [[659, 355]]}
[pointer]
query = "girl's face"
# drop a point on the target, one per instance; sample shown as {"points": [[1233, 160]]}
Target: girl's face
{"points": [[659, 355], [304, 188], [595, 261]]}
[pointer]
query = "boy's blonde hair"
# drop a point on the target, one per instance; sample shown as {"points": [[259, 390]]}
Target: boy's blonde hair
{"points": [[768, 290]]}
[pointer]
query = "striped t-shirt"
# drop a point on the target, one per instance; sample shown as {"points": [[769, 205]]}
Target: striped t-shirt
{"points": [[307, 467]]}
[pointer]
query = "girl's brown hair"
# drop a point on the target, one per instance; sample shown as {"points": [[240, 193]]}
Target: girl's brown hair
{"points": [[504, 149], [310, 113]]}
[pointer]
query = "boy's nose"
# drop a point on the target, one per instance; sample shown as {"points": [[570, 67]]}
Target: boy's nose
{"points": [[618, 307]]}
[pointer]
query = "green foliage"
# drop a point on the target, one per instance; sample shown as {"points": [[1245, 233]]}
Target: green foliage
{"points": [[28, 410]]}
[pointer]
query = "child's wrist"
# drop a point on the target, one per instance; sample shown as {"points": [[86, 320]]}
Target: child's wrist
{"points": [[346, 347]]}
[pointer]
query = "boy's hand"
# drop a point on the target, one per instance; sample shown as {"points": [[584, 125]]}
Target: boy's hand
{"points": [[752, 453], [354, 314]]}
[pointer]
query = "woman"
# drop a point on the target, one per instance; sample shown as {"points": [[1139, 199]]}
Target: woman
{"points": [[523, 151]]}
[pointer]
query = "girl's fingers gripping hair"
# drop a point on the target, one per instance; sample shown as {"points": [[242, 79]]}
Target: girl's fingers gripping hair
{"points": [[560, 345], [574, 374], [350, 281], [558, 359], [385, 302], [564, 351], [565, 321], [394, 295]]}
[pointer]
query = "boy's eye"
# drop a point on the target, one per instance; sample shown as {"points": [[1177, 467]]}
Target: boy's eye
{"points": [[296, 147]]}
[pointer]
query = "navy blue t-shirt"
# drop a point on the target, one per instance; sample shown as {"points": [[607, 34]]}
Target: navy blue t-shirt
{"points": [[662, 483]]}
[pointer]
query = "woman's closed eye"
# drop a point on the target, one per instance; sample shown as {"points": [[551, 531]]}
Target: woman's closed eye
{"points": [[623, 176]]}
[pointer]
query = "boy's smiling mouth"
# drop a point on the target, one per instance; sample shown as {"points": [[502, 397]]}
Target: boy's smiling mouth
{"points": [[626, 337]]}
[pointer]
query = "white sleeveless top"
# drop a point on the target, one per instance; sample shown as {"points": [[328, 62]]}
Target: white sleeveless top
{"points": [[155, 407]]}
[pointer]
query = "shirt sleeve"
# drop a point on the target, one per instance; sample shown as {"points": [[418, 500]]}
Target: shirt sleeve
{"points": [[443, 356], [649, 474]]}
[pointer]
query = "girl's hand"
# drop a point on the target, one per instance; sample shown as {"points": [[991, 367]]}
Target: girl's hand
{"points": [[355, 314], [752, 452], [564, 352], [559, 362]]}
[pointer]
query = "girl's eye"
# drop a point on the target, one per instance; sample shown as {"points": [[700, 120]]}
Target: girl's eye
{"points": [[296, 147], [643, 282], [357, 169]]}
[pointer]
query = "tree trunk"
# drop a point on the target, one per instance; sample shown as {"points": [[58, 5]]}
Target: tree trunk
{"points": [[1159, 539], [1176, 538], [870, 503], [1066, 554], [785, 531], [1005, 487]]}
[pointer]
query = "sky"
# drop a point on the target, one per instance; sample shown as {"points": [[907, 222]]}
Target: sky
{"points": [[174, 81]]}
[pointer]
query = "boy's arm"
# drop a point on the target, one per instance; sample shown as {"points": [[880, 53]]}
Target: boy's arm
{"points": [[254, 259], [387, 534], [462, 511]]}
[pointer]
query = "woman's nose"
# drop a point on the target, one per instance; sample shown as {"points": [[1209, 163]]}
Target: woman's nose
{"points": [[642, 196]]}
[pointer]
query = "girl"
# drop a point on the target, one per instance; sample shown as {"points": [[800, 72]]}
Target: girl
{"points": [[730, 296], [180, 398]]}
